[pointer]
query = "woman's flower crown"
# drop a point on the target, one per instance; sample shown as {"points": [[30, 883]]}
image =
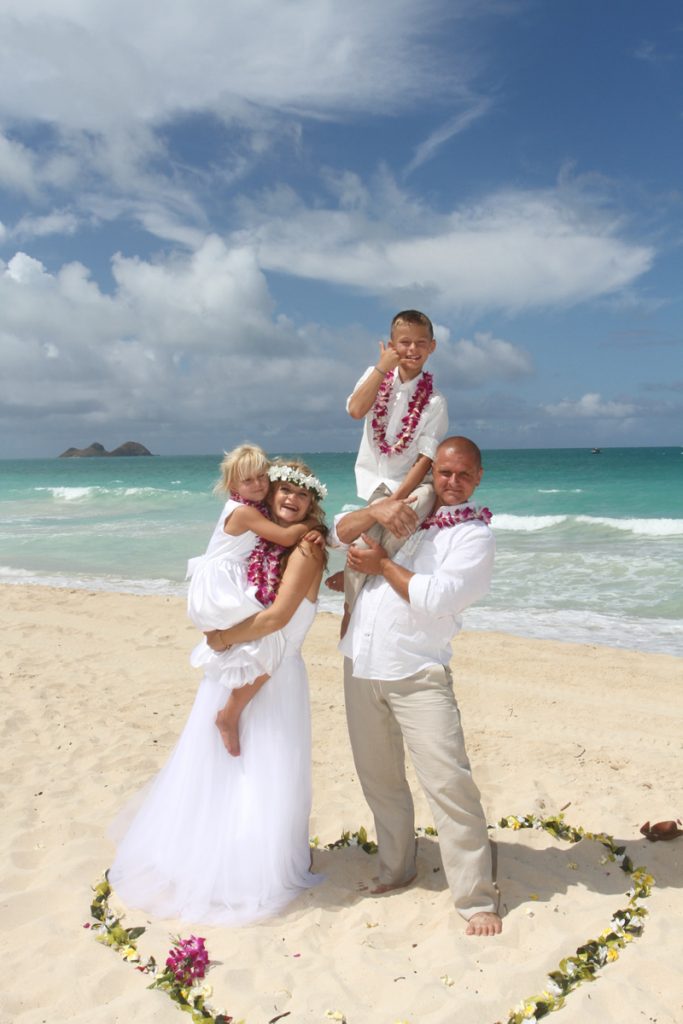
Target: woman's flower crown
{"points": [[295, 476]]}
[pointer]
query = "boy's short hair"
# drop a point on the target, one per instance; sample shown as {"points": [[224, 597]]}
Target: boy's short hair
{"points": [[413, 316]]}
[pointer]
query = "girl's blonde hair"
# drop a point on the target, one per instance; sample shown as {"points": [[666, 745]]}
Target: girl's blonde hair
{"points": [[243, 461]]}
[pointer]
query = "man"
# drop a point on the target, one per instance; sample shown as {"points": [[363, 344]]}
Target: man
{"points": [[398, 686]]}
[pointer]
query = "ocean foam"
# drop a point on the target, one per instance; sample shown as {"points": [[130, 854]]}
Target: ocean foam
{"points": [[639, 527], [525, 524], [70, 493]]}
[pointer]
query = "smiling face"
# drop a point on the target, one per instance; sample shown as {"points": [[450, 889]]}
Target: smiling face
{"points": [[414, 344], [254, 487], [457, 474], [290, 503]]}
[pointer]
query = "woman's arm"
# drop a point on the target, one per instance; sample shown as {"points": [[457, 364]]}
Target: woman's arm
{"points": [[246, 517], [301, 579]]}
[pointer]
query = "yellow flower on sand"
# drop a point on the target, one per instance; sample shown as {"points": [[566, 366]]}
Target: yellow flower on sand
{"points": [[204, 990], [130, 953], [612, 954]]}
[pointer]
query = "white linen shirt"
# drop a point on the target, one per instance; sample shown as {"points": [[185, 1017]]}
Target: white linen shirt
{"points": [[391, 638], [373, 468]]}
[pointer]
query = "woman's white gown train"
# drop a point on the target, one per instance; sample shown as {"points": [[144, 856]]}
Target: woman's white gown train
{"points": [[220, 839]]}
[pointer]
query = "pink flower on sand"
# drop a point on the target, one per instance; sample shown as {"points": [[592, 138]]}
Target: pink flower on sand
{"points": [[188, 960]]}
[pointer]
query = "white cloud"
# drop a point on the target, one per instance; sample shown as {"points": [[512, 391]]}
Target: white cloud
{"points": [[454, 126], [59, 222], [481, 360], [89, 66], [17, 172], [514, 250], [185, 345], [591, 406]]}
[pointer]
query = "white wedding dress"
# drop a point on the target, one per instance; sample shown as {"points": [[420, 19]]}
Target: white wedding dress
{"points": [[221, 839]]}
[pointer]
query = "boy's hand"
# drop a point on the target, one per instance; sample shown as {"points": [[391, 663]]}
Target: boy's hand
{"points": [[388, 357]]}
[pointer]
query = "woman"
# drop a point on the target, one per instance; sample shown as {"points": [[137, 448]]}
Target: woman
{"points": [[221, 839]]}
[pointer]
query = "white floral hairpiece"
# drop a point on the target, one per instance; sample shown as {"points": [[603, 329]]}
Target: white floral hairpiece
{"points": [[295, 476]]}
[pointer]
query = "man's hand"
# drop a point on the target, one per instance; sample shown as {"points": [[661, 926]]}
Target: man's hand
{"points": [[388, 357], [397, 516], [215, 642], [368, 560]]}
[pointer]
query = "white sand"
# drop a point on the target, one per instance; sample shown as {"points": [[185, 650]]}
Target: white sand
{"points": [[96, 688]]}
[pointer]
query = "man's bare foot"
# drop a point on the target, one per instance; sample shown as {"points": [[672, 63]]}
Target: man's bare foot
{"points": [[484, 924], [336, 582], [228, 727], [383, 887]]}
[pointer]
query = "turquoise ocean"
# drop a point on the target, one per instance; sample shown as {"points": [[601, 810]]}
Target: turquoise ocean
{"points": [[589, 546]]}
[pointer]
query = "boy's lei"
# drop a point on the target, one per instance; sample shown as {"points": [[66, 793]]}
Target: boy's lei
{"points": [[410, 421], [457, 515]]}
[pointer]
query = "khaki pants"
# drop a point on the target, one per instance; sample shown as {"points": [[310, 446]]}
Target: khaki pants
{"points": [[421, 710], [354, 580]]}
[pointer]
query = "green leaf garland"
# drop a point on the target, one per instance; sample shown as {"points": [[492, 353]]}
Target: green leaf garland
{"points": [[625, 925]]}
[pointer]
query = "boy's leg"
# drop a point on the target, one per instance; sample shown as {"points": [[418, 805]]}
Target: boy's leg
{"points": [[354, 580], [228, 718], [424, 501]]}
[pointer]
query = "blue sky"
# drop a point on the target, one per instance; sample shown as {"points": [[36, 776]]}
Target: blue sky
{"points": [[210, 211]]}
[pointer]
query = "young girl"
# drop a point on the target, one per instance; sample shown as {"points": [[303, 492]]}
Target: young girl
{"points": [[222, 593]]}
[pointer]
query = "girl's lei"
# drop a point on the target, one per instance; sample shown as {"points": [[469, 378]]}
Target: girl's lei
{"points": [[263, 569], [263, 564], [455, 516], [410, 421]]}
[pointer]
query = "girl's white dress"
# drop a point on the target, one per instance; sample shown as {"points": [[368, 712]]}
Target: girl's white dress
{"points": [[220, 596], [221, 839]]}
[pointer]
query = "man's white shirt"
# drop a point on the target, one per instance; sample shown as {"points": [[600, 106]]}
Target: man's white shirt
{"points": [[391, 638], [373, 468]]}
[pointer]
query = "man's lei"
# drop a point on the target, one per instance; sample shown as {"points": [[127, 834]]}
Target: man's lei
{"points": [[410, 421], [455, 516]]}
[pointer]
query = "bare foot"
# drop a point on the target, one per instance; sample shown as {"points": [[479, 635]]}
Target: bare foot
{"points": [[336, 582], [383, 887], [484, 924], [228, 727]]}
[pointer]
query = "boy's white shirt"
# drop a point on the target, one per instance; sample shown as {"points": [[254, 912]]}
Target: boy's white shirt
{"points": [[373, 468]]}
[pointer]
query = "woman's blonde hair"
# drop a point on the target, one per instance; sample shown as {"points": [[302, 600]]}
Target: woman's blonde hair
{"points": [[315, 510], [243, 461]]}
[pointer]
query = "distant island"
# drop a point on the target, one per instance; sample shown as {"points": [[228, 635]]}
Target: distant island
{"points": [[98, 451]]}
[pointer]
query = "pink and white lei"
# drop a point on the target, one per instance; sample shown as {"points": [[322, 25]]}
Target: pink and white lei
{"points": [[380, 411], [260, 505], [455, 516], [263, 564], [263, 569]]}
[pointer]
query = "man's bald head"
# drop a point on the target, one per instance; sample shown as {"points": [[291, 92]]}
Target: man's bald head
{"points": [[457, 471], [462, 446]]}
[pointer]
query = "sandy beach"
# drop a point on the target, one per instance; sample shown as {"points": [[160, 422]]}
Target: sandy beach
{"points": [[96, 687]]}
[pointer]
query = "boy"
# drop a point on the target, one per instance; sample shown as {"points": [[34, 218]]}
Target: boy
{"points": [[405, 419]]}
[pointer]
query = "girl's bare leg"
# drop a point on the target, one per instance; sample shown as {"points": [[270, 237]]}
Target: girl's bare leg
{"points": [[228, 718]]}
